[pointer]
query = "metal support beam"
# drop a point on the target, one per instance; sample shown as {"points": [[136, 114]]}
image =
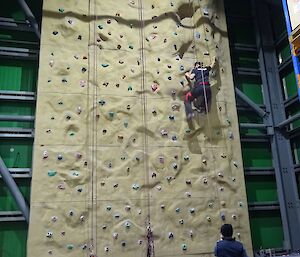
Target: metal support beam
{"points": [[14, 189], [248, 101], [16, 118], [17, 95], [253, 125], [280, 146], [289, 121], [30, 17]]}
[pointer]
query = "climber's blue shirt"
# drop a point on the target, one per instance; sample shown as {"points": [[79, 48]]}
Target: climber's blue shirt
{"points": [[230, 248]]}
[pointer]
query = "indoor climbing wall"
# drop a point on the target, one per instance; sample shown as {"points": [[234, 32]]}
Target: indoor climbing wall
{"points": [[118, 170]]}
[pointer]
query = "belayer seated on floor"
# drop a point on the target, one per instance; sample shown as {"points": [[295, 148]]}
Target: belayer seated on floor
{"points": [[201, 89]]}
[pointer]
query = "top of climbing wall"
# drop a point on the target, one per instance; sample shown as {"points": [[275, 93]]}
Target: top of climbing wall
{"points": [[118, 169]]}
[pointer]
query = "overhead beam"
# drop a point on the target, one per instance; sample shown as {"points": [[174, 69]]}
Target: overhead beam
{"points": [[30, 17], [249, 102], [14, 190], [16, 118]]}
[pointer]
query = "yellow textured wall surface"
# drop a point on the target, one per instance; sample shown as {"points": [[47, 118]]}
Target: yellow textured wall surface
{"points": [[106, 182]]}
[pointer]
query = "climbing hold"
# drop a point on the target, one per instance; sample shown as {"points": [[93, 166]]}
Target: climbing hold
{"points": [[171, 117], [222, 216], [230, 135], [228, 121], [126, 124], [181, 67], [61, 186], [55, 33], [123, 158], [234, 217], [71, 212], [49, 234], [153, 175], [188, 182], [127, 224], [70, 247], [102, 102], [205, 11], [162, 206], [223, 155], [100, 26], [123, 243], [82, 218], [221, 189], [184, 247], [79, 110], [52, 173], [130, 46], [61, 10], [220, 175], [169, 78], [117, 215], [197, 35], [79, 190], [129, 88], [115, 235], [71, 133], [140, 242], [235, 164], [210, 205], [176, 107], [106, 248], [108, 207], [127, 208], [83, 83], [170, 235], [223, 203], [59, 157], [50, 252], [208, 219], [54, 218], [192, 210], [174, 138], [83, 70], [177, 210], [173, 92], [158, 188], [175, 166], [240, 204], [154, 112], [45, 154], [188, 194], [104, 65], [135, 186], [164, 132], [204, 161], [181, 221], [154, 87], [51, 63], [186, 158], [111, 114]]}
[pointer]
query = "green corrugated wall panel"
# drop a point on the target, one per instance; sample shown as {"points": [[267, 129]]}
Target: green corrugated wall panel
{"points": [[290, 83], [17, 108], [18, 75], [16, 153], [251, 87], [13, 239], [261, 189], [8, 203], [285, 53], [256, 154], [266, 229], [293, 111]]}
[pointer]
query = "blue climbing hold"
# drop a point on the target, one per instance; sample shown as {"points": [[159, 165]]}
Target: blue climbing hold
{"points": [[52, 173]]}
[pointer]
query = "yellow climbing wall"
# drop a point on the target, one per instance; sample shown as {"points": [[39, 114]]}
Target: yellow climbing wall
{"points": [[118, 170]]}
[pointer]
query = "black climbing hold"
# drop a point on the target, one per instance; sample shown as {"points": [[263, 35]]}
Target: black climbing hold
{"points": [[117, 85], [123, 244], [169, 66], [55, 33], [108, 21], [79, 37], [64, 81], [169, 78], [152, 6], [119, 47], [158, 59], [128, 107], [104, 131], [175, 47], [83, 70]]}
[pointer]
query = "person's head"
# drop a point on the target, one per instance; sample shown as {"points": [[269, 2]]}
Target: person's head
{"points": [[198, 64], [227, 230]]}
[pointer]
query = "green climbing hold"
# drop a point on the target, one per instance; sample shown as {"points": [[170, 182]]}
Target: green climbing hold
{"points": [[175, 33], [123, 158], [52, 173], [71, 133], [111, 114], [130, 46], [104, 65], [70, 247], [61, 10], [102, 102], [126, 124], [129, 88], [187, 131], [184, 247], [100, 26]]}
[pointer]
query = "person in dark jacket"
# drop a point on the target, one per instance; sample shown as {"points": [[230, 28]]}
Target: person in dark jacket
{"points": [[201, 88], [228, 246]]}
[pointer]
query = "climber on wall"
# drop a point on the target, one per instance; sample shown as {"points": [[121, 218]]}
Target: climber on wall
{"points": [[201, 88]]}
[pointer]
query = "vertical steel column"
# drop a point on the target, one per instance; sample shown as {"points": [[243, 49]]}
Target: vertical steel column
{"points": [[280, 146], [14, 189], [295, 59]]}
